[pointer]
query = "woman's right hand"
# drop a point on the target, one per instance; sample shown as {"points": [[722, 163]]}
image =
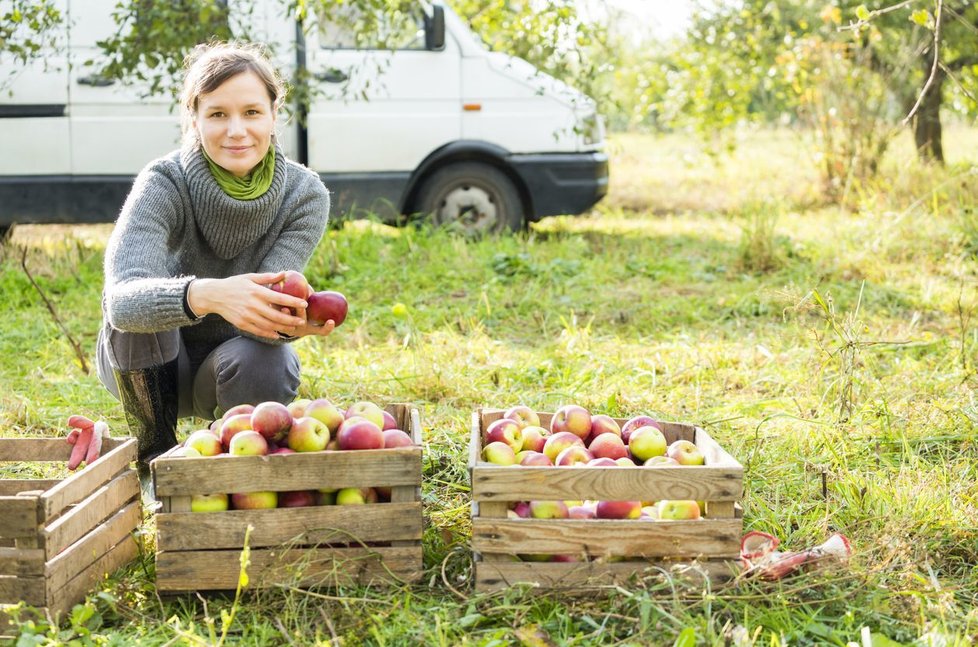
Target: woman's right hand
{"points": [[246, 302]]}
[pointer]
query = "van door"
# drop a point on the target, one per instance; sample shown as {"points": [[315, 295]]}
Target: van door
{"points": [[383, 106]]}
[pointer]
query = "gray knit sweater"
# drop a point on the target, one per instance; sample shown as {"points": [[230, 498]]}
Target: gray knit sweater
{"points": [[177, 225]]}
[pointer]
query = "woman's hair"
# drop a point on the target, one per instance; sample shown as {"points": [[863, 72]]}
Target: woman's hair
{"points": [[211, 64]]}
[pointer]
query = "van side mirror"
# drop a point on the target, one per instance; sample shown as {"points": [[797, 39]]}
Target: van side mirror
{"points": [[434, 29]]}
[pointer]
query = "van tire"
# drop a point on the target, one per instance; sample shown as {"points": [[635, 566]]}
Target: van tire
{"points": [[472, 198]]}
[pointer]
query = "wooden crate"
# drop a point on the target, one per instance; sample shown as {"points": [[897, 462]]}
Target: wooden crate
{"points": [[608, 551], [306, 547], [59, 537]]}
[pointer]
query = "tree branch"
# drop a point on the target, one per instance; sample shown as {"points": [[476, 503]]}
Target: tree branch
{"points": [[934, 66]]}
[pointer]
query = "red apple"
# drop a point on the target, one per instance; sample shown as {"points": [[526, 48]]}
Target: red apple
{"points": [[326, 305], [523, 415], [618, 509], [572, 418], [634, 423], [297, 408], [293, 283], [272, 420], [308, 435], [396, 438], [647, 442], [368, 410], [329, 414], [581, 511], [389, 421], [602, 424], [205, 442], [234, 424], [208, 502], [559, 442], [522, 509], [281, 450], [254, 500], [660, 461], [670, 510], [506, 431], [297, 499], [602, 462], [573, 455], [360, 435], [529, 458], [237, 410], [499, 453], [608, 446], [248, 443], [534, 437], [685, 453]]}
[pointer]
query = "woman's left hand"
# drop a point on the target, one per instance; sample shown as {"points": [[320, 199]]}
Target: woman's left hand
{"points": [[307, 329]]}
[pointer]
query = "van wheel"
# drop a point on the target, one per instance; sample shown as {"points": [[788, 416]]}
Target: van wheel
{"points": [[474, 199]]}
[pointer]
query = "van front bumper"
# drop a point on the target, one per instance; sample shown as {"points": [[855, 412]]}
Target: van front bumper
{"points": [[562, 183]]}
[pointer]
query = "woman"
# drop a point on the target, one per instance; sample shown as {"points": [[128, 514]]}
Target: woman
{"points": [[190, 326]]}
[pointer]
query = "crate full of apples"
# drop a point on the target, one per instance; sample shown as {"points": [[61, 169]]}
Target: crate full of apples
{"points": [[570, 499], [322, 495]]}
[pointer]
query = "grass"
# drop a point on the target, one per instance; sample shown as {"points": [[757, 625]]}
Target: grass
{"points": [[832, 351]]}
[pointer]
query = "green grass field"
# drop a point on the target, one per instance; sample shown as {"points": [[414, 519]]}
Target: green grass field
{"points": [[691, 293]]}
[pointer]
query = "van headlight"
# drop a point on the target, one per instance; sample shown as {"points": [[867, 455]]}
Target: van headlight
{"points": [[591, 128]]}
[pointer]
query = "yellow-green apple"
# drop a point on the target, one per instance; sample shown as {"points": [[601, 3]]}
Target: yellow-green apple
{"points": [[499, 453], [618, 509], [368, 410], [329, 414], [297, 408], [254, 500], [506, 431], [326, 305], [356, 496], [608, 446], [647, 442], [523, 415], [637, 422], [205, 442], [184, 452], [602, 424], [248, 443], [548, 509], [272, 420], [674, 509], [685, 453], [297, 499], [360, 435], [602, 462], [581, 511], [661, 461], [208, 502], [522, 509], [234, 424], [396, 438], [625, 461], [533, 459], [534, 437], [390, 422], [560, 441], [308, 435], [573, 455], [573, 418]]}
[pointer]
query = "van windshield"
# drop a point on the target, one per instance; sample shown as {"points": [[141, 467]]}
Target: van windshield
{"points": [[348, 27]]}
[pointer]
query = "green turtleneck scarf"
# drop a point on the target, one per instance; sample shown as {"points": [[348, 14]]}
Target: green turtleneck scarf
{"points": [[250, 186]]}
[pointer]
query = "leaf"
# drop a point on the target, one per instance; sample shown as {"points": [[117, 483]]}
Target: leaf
{"points": [[686, 638], [862, 12], [534, 636]]}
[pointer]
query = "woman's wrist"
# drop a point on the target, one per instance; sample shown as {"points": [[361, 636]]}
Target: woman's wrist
{"points": [[197, 296]]}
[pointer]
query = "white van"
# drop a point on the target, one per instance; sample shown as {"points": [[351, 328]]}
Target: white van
{"points": [[435, 124]]}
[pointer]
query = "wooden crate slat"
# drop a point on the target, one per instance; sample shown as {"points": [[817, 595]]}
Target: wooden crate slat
{"points": [[281, 473], [311, 525], [673, 431], [81, 584], [30, 590], [519, 483], [13, 487], [81, 484], [19, 516], [94, 545], [69, 527], [714, 454], [31, 450], [22, 561], [182, 571], [711, 538], [582, 575]]}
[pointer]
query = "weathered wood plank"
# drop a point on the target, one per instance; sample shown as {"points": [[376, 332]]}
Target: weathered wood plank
{"points": [[34, 450], [98, 506], [30, 590], [712, 452], [81, 484], [21, 561], [19, 516], [285, 472], [13, 487], [90, 548], [182, 571], [299, 526], [603, 537], [85, 581]]}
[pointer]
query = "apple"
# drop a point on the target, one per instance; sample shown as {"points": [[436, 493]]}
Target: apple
{"points": [[625, 461], [670, 510], [295, 284], [254, 500], [215, 426], [548, 509], [660, 461], [533, 459], [685, 453], [327, 413], [506, 431], [281, 450], [522, 509], [572, 418], [581, 511], [297, 408], [573, 455], [647, 442], [205, 442], [637, 422], [272, 420], [360, 435], [618, 509], [534, 437], [248, 443], [390, 422], [499, 453], [326, 496], [560, 441], [602, 462], [523, 415], [297, 499], [368, 410], [184, 452], [326, 305], [237, 410], [332, 446], [608, 446], [234, 424], [308, 435], [650, 512], [602, 424], [208, 502], [356, 496], [563, 558], [396, 438]]}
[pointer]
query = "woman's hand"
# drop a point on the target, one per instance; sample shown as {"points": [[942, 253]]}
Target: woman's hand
{"points": [[246, 302]]}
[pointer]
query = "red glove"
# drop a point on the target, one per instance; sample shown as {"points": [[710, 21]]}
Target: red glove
{"points": [[86, 436]]}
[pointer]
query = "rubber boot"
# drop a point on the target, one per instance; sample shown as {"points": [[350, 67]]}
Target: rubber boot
{"points": [[149, 397]]}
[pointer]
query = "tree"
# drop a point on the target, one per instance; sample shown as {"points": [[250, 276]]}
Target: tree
{"points": [[28, 28]]}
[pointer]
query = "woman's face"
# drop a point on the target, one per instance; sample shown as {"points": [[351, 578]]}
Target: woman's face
{"points": [[235, 123]]}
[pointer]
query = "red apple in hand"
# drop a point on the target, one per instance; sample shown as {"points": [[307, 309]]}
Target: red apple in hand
{"points": [[293, 283], [326, 305]]}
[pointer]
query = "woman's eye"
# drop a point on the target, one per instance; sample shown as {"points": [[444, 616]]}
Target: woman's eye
{"points": [[217, 115]]}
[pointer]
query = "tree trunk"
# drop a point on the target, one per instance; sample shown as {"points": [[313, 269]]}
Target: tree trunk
{"points": [[927, 130]]}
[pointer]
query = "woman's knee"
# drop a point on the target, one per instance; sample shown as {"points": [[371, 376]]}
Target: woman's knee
{"points": [[250, 371]]}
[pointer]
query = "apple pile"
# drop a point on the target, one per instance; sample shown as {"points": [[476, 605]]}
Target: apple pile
{"points": [[323, 305], [305, 425]]}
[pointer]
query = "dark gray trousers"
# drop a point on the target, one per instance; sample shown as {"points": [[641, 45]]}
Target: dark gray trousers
{"points": [[239, 371]]}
